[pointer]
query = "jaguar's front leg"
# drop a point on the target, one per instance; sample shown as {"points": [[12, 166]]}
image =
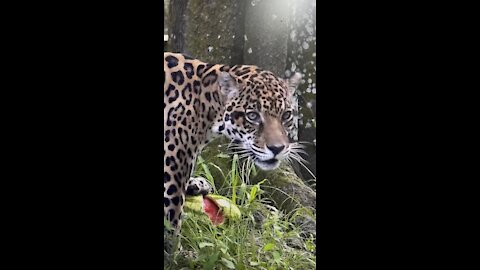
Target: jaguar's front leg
{"points": [[173, 200], [195, 186]]}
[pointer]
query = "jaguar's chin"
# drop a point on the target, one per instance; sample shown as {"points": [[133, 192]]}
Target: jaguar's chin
{"points": [[267, 165]]}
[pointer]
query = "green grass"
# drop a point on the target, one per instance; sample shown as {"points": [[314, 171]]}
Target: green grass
{"points": [[264, 238]]}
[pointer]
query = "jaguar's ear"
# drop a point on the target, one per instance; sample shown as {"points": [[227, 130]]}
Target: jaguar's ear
{"points": [[293, 83], [228, 86]]}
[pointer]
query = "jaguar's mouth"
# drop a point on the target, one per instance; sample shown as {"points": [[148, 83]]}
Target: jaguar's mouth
{"points": [[248, 152], [267, 165]]}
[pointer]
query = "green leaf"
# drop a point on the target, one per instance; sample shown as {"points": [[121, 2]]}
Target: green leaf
{"points": [[276, 256], [310, 246], [205, 244], [208, 174], [261, 182], [234, 177], [222, 155], [254, 171], [253, 193], [269, 246], [211, 262], [228, 264], [254, 263]]}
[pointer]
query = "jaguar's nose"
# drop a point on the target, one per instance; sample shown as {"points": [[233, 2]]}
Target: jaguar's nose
{"points": [[276, 149]]}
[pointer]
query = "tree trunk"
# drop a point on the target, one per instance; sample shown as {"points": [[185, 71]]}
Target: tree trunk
{"points": [[177, 19], [208, 30]]}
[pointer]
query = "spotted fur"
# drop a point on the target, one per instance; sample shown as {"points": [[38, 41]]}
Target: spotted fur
{"points": [[251, 106]]}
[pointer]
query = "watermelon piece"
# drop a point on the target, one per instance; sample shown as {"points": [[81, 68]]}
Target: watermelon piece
{"points": [[227, 207], [217, 208], [213, 211]]}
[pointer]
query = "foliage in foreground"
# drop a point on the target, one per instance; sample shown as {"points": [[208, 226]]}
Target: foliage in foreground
{"points": [[264, 238]]}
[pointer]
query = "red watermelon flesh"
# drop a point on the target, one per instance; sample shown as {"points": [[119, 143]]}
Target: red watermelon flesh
{"points": [[213, 211]]}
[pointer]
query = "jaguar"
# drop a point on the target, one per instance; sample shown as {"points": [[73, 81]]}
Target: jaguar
{"points": [[252, 107]]}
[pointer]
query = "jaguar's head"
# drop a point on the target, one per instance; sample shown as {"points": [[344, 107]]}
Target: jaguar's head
{"points": [[260, 115]]}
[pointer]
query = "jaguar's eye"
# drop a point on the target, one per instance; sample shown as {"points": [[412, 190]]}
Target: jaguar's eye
{"points": [[286, 115], [253, 116]]}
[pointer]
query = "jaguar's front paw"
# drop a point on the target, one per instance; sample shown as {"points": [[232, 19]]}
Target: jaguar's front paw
{"points": [[198, 185]]}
